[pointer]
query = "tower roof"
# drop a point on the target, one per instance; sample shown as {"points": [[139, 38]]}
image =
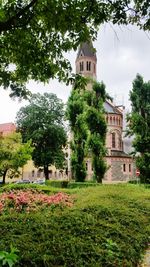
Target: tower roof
{"points": [[110, 108], [86, 49]]}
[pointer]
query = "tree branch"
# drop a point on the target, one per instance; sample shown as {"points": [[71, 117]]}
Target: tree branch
{"points": [[13, 21]]}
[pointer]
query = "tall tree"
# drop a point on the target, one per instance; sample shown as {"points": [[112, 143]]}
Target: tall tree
{"points": [[139, 125], [42, 122], [13, 154], [95, 119], [76, 116], [34, 34]]}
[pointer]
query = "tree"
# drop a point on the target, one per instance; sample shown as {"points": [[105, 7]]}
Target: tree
{"points": [[97, 127], [13, 154], [139, 125], [34, 34], [42, 122], [76, 116], [85, 113]]}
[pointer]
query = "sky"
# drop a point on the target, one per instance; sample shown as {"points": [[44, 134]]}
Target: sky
{"points": [[122, 52]]}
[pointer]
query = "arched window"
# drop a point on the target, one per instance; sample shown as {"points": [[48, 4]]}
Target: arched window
{"points": [[33, 173], [129, 167], [114, 120], [88, 65], [113, 135], [82, 66]]}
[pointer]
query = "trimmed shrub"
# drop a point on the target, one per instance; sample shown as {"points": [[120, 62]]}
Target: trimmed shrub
{"points": [[57, 183]]}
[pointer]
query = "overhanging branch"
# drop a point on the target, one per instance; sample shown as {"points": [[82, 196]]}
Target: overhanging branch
{"points": [[15, 20]]}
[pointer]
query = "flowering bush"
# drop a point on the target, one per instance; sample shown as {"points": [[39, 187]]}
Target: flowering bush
{"points": [[30, 200]]}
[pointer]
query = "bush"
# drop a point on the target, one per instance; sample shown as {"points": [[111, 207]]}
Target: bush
{"points": [[57, 184], [106, 226]]}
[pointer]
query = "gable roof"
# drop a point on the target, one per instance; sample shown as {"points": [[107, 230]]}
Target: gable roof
{"points": [[110, 108], [87, 50]]}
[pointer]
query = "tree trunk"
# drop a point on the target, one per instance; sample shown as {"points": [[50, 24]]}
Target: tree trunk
{"points": [[4, 176], [46, 172]]}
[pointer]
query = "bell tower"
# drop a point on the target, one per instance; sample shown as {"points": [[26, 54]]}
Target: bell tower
{"points": [[86, 60]]}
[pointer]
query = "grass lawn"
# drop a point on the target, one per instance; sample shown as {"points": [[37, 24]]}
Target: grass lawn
{"points": [[107, 225]]}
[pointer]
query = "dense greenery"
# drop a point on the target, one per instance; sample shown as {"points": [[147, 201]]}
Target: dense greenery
{"points": [[76, 115], [139, 125], [13, 154], [107, 226], [85, 113], [97, 127], [34, 35], [42, 122]]}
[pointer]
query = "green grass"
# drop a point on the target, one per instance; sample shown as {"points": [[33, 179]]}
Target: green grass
{"points": [[108, 226]]}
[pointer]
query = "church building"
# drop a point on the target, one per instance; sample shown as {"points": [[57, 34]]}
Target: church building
{"points": [[121, 165]]}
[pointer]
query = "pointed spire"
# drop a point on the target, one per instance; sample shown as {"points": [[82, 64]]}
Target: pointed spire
{"points": [[86, 49]]}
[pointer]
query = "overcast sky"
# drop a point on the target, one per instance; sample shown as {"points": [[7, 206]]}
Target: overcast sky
{"points": [[122, 52]]}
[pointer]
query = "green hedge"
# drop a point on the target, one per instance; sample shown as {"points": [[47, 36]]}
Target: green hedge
{"points": [[108, 226], [70, 184], [57, 184]]}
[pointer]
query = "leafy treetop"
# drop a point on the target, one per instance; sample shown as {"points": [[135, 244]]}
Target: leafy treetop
{"points": [[139, 125], [42, 122], [34, 34], [13, 154]]}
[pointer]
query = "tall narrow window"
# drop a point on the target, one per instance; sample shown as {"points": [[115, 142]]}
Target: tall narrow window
{"points": [[129, 167], [113, 140], [88, 65], [124, 167], [81, 66]]}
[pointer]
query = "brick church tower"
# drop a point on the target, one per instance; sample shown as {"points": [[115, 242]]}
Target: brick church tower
{"points": [[86, 62]]}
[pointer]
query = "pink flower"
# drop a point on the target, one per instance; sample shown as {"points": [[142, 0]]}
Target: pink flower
{"points": [[32, 200]]}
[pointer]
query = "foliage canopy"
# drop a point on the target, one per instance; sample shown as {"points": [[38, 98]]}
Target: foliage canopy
{"points": [[42, 122], [85, 113], [139, 125], [34, 34], [13, 154]]}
